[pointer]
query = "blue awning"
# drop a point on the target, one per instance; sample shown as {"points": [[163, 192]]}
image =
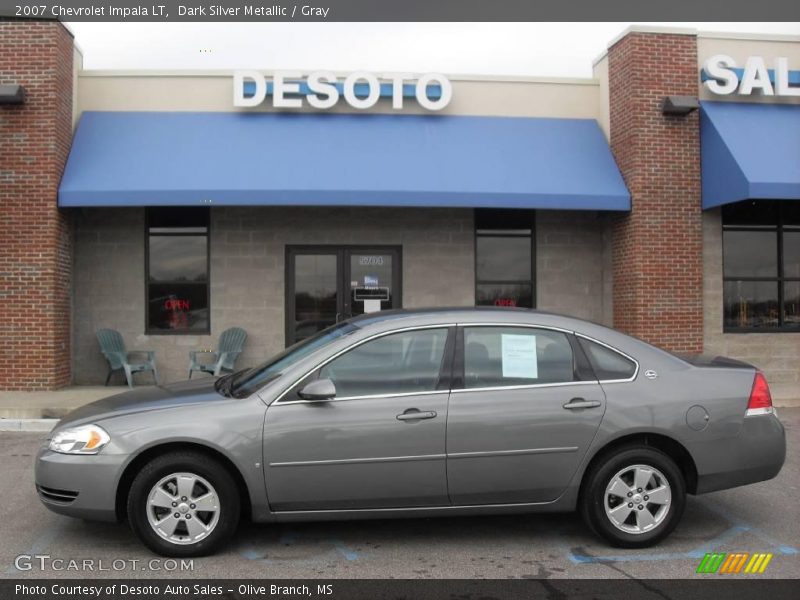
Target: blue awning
{"points": [[177, 158], [749, 150]]}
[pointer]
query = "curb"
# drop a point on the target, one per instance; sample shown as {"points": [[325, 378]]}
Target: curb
{"points": [[27, 424]]}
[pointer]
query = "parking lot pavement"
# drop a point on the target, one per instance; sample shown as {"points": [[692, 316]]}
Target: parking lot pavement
{"points": [[760, 518]]}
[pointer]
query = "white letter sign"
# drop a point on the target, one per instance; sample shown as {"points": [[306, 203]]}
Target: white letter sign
{"points": [[723, 78], [322, 90]]}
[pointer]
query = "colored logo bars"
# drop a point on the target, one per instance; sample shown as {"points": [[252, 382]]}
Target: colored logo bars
{"points": [[737, 562]]}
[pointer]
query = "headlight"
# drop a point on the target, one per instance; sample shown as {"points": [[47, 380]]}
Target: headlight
{"points": [[84, 439]]}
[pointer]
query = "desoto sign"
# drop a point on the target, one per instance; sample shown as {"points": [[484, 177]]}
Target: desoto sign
{"points": [[323, 89], [721, 75]]}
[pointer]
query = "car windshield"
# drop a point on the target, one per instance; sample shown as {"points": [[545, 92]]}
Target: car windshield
{"points": [[247, 382]]}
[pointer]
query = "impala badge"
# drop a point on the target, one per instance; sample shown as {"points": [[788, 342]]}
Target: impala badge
{"points": [[650, 374]]}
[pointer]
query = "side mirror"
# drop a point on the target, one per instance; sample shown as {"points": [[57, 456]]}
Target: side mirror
{"points": [[318, 390]]}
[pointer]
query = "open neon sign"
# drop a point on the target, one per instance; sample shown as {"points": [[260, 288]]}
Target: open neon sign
{"points": [[505, 302], [176, 304]]}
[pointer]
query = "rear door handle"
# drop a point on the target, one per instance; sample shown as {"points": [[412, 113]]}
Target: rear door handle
{"points": [[413, 414], [581, 403]]}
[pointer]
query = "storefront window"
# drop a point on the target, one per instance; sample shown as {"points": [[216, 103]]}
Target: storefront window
{"points": [[177, 270], [504, 258], [761, 265]]}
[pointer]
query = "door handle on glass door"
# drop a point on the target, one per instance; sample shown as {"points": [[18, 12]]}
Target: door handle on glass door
{"points": [[413, 414], [581, 403]]}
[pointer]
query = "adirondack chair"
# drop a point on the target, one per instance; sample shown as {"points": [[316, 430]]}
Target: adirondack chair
{"points": [[113, 347], [231, 343]]}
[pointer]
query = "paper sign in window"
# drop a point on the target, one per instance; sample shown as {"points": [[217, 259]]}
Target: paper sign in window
{"points": [[519, 356]]}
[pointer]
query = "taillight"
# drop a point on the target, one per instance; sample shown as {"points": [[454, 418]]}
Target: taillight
{"points": [[760, 402]]}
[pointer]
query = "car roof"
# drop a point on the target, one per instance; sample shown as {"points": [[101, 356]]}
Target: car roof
{"points": [[466, 314], [483, 315]]}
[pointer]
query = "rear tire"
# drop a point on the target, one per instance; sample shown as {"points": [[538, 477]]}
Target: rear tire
{"points": [[634, 497], [183, 504]]}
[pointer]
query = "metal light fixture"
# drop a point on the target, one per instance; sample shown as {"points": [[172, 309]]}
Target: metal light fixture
{"points": [[679, 106], [12, 94]]}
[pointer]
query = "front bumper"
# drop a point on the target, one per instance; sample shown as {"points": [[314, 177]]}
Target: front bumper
{"points": [[83, 486], [756, 454]]}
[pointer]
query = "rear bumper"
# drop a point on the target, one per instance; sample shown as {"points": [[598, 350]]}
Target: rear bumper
{"points": [[79, 486], [756, 454]]}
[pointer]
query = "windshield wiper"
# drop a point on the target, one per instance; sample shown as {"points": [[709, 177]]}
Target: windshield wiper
{"points": [[223, 385]]}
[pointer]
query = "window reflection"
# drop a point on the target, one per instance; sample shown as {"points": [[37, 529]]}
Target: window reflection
{"points": [[504, 258], [315, 289], [761, 265], [177, 270]]}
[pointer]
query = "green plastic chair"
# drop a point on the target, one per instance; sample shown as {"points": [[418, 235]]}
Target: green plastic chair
{"points": [[113, 348], [231, 343]]}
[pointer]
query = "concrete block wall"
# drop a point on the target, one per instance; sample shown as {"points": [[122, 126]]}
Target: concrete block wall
{"points": [[571, 271], [248, 249], [247, 273], [777, 354]]}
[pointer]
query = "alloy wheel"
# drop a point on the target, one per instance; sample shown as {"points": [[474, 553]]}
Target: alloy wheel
{"points": [[183, 508], [637, 499]]}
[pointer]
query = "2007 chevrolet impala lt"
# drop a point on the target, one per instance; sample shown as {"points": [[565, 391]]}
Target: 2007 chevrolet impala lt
{"points": [[418, 414]]}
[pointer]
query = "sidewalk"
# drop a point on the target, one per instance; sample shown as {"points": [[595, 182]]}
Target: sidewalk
{"points": [[39, 411]]}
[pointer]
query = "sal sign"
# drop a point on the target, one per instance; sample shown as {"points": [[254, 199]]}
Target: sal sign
{"points": [[323, 89], [721, 75]]}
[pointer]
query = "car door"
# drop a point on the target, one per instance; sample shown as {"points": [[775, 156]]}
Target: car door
{"points": [[380, 442], [523, 411]]}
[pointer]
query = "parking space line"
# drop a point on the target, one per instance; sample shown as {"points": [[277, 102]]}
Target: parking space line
{"points": [[345, 551], [760, 533], [290, 537], [737, 527]]}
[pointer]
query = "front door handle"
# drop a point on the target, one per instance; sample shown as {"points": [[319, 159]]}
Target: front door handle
{"points": [[413, 414], [581, 403]]}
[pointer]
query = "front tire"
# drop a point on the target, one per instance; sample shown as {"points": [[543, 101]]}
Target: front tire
{"points": [[183, 504], [634, 498]]}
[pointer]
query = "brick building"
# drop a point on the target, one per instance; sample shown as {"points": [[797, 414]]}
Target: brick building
{"points": [[660, 197]]}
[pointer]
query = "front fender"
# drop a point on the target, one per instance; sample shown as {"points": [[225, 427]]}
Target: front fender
{"points": [[233, 429]]}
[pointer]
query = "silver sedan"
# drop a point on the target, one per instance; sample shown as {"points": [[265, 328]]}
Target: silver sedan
{"points": [[418, 414]]}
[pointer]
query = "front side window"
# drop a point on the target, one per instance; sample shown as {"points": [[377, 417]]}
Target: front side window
{"points": [[250, 381], [504, 258], [761, 265], [399, 363], [177, 270], [510, 356]]}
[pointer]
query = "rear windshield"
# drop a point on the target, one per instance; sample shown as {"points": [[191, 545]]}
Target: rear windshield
{"points": [[250, 381]]}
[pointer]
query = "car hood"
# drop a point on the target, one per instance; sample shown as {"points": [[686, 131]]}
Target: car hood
{"points": [[145, 399]]}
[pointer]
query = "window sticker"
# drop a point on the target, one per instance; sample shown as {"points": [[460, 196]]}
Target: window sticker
{"points": [[519, 356]]}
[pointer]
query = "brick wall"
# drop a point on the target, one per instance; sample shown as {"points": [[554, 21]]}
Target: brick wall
{"points": [[35, 248], [657, 247]]}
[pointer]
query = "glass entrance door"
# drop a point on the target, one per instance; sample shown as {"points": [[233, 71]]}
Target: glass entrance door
{"points": [[327, 284]]}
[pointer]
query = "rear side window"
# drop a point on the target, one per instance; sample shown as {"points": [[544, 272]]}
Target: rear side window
{"points": [[507, 356], [608, 364]]}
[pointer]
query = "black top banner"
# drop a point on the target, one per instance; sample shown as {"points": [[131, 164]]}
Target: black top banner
{"points": [[403, 10]]}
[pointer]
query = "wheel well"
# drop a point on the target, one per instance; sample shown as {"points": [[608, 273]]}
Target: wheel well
{"points": [[674, 449], [125, 482]]}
